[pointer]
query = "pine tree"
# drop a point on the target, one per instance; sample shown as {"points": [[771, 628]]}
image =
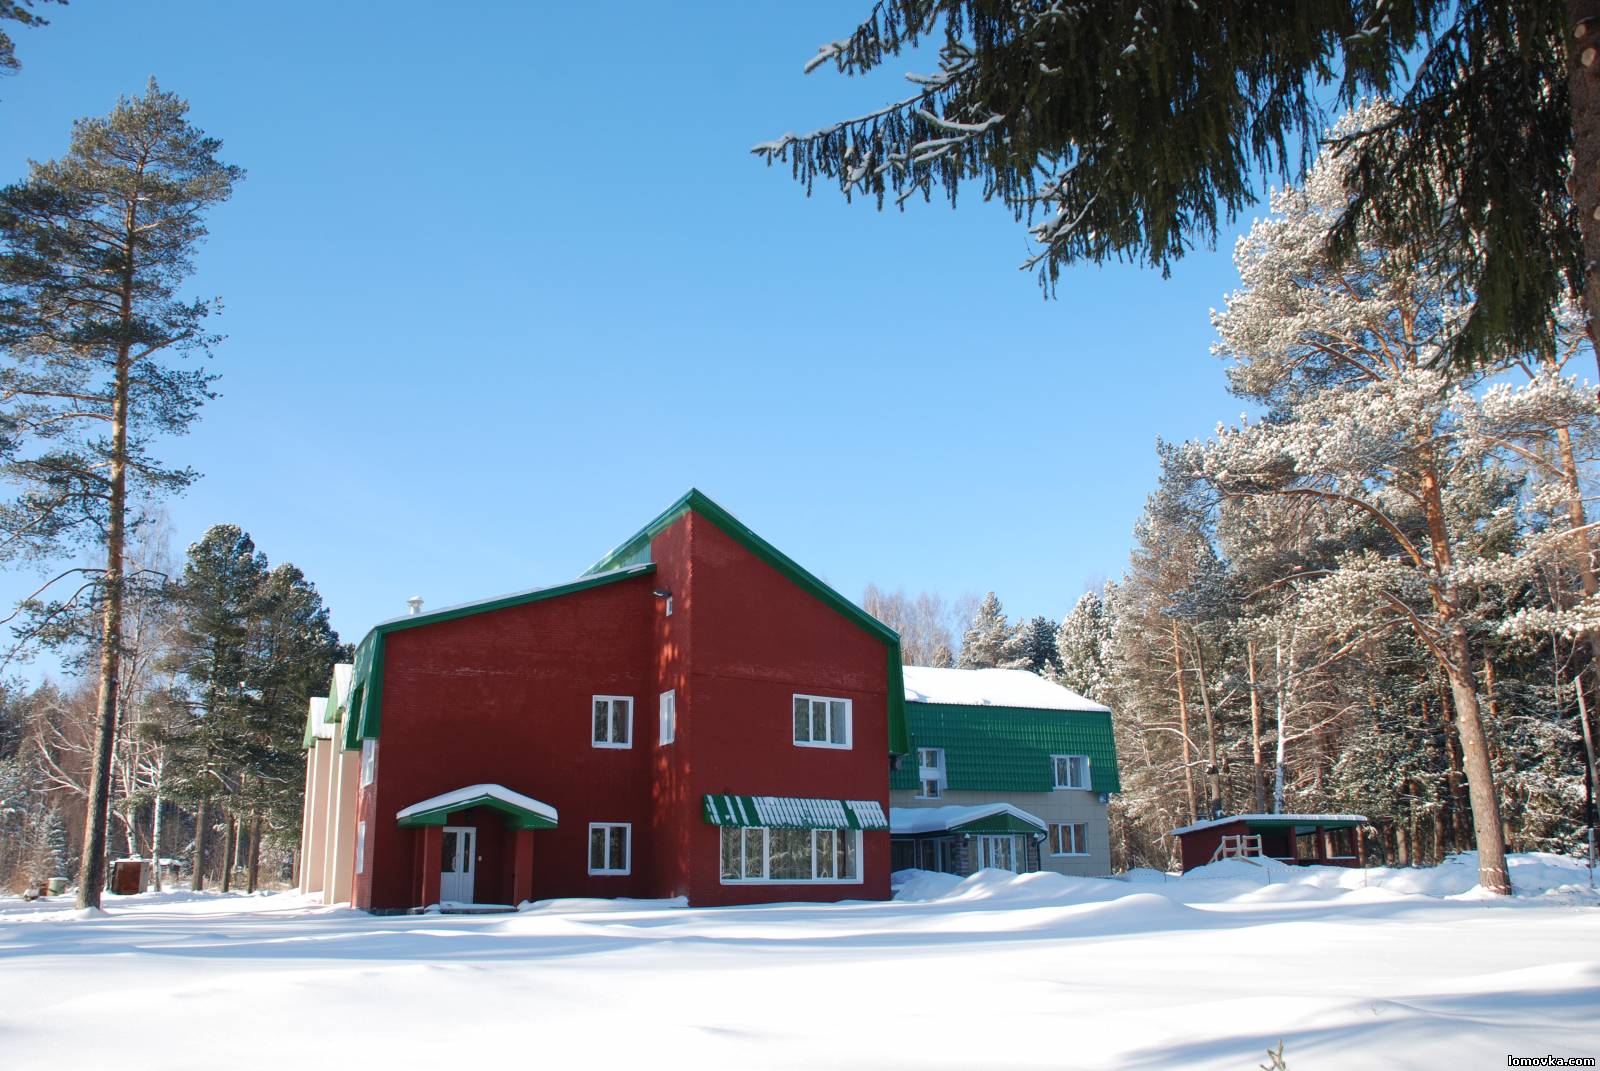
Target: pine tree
{"points": [[988, 642], [1125, 130], [92, 250], [1038, 640], [219, 606], [1081, 643], [17, 11]]}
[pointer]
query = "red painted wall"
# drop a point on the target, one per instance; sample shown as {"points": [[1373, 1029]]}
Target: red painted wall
{"points": [[757, 640], [504, 697]]}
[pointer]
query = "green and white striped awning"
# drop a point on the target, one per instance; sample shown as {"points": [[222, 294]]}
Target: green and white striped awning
{"points": [[795, 812]]}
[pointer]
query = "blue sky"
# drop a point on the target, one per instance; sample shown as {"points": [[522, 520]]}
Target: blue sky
{"points": [[504, 281]]}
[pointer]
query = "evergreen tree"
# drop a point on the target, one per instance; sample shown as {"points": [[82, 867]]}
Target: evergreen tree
{"points": [[220, 603], [1038, 640], [988, 641], [1081, 643], [92, 250], [1123, 130], [17, 11], [47, 854]]}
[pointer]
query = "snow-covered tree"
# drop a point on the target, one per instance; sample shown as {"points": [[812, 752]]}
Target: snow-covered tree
{"points": [[989, 640], [1081, 642], [1364, 424]]}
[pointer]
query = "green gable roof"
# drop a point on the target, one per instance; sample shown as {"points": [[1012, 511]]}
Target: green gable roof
{"points": [[636, 549], [1008, 749]]}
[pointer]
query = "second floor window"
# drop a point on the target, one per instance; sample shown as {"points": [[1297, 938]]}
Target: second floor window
{"points": [[369, 761], [669, 716], [613, 721], [821, 721], [1071, 771], [930, 772]]}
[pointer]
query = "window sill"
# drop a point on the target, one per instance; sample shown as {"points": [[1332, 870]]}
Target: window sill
{"points": [[791, 881], [827, 747], [1068, 855], [599, 745], [609, 873]]}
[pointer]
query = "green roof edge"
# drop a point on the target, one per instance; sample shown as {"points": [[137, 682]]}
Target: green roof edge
{"points": [[696, 501], [366, 682], [1103, 779]]}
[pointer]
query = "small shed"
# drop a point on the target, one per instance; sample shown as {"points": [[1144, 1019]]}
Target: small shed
{"points": [[1297, 839]]}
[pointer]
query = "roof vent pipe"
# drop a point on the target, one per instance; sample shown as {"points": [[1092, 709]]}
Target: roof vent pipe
{"points": [[415, 602]]}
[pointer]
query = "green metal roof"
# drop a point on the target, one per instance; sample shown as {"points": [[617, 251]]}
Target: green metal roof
{"points": [[1008, 749], [366, 689], [636, 549], [794, 812]]}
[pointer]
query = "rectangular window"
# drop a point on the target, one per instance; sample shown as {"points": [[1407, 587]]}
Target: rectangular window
{"points": [[790, 856], [1071, 771], [821, 721], [369, 761], [613, 721], [610, 847], [1070, 838], [361, 845], [669, 716], [930, 772]]}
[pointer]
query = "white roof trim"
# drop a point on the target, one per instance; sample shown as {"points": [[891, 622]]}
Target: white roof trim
{"points": [[911, 820], [317, 709], [1301, 819], [472, 792]]}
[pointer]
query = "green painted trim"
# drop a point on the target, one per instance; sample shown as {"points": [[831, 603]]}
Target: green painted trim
{"points": [[1308, 826], [637, 546], [517, 817], [365, 719], [998, 823], [725, 809]]}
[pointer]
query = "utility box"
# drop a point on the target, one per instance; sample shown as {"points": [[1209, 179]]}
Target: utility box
{"points": [[127, 877]]}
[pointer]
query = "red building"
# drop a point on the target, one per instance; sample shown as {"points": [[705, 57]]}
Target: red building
{"points": [[695, 716], [1296, 839]]}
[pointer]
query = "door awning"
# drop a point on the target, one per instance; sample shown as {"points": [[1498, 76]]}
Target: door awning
{"points": [[794, 812], [522, 812], [983, 818]]}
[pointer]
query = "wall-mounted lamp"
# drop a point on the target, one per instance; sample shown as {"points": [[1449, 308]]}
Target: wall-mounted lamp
{"points": [[663, 593]]}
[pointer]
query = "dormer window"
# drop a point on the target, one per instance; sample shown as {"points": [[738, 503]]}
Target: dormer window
{"points": [[1071, 771]]}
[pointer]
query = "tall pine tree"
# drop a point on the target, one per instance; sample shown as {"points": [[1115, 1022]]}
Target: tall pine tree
{"points": [[93, 249]]}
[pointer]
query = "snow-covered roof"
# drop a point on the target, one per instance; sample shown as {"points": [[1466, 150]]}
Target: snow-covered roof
{"points": [[478, 793], [342, 672], [936, 819], [991, 688], [1279, 819], [318, 709]]}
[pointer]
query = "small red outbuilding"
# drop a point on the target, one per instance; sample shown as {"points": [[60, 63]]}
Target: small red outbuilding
{"points": [[1297, 839]]}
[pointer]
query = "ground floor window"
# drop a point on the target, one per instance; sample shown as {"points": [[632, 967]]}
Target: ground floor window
{"points": [[610, 847], [790, 855], [1002, 852], [1070, 838]]}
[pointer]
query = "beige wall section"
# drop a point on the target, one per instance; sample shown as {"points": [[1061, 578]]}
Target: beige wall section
{"points": [[1061, 806], [339, 868], [314, 821]]}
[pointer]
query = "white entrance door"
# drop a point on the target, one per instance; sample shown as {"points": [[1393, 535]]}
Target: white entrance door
{"points": [[457, 859]]}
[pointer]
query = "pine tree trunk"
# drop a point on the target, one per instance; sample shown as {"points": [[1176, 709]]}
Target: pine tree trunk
{"points": [[1183, 729], [1583, 89], [91, 872], [198, 882], [1258, 774], [227, 854], [1492, 873], [1213, 780], [255, 853], [155, 837]]}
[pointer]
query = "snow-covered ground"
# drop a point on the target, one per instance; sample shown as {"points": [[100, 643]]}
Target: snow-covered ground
{"points": [[1393, 968]]}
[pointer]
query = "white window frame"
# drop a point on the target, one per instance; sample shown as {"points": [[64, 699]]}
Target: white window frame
{"points": [[766, 859], [611, 719], [849, 720], [669, 716], [369, 761], [627, 848], [930, 773], [1055, 773], [361, 847], [1079, 844]]}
